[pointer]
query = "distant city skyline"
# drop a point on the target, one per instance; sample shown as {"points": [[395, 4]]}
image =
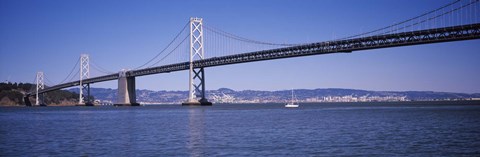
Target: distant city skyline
{"points": [[50, 35]]}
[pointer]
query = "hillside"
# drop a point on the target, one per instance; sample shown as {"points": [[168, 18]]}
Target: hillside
{"points": [[11, 94], [225, 95]]}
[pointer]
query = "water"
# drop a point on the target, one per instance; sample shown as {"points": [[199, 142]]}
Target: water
{"points": [[379, 129]]}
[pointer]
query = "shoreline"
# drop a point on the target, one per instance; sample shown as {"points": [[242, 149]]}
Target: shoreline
{"points": [[443, 102]]}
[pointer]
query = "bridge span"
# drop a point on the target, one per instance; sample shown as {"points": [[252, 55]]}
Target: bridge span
{"points": [[447, 34], [197, 60]]}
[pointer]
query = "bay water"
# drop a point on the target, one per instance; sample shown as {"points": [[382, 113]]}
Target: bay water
{"points": [[316, 129]]}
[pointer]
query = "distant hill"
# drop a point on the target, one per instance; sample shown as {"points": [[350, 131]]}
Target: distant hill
{"points": [[11, 94], [225, 95]]}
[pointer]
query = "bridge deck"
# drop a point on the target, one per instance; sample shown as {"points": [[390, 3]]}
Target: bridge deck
{"points": [[446, 34]]}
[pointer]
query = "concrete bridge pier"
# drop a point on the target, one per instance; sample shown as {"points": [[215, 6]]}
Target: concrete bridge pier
{"points": [[26, 99], [126, 91]]}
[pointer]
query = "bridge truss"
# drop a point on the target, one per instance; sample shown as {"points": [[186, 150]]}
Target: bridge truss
{"points": [[428, 36]]}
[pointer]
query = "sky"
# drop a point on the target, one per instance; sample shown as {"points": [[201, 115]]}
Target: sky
{"points": [[50, 35]]}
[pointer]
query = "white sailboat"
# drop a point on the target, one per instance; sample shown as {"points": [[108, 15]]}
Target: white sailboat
{"points": [[292, 103]]}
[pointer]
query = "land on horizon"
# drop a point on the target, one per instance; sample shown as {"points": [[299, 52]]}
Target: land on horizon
{"points": [[12, 93], [226, 95]]}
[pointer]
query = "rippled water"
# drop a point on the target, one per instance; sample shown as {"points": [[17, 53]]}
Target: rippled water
{"points": [[242, 130]]}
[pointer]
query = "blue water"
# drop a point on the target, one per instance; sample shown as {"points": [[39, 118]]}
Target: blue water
{"points": [[242, 130]]}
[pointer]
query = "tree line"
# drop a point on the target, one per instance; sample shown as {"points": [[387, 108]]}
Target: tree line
{"points": [[16, 91]]}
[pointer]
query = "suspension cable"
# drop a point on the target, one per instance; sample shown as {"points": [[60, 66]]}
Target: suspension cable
{"points": [[48, 81], [32, 88], [70, 72], [236, 37], [170, 51], [99, 68], [73, 76], [434, 17], [405, 21], [171, 42]]}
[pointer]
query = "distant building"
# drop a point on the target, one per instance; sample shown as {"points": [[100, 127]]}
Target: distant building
{"points": [[225, 98]]}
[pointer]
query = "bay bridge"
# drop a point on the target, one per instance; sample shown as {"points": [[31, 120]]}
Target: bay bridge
{"points": [[198, 46]]}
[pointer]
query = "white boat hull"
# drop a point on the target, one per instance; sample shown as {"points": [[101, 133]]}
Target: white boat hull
{"points": [[291, 106]]}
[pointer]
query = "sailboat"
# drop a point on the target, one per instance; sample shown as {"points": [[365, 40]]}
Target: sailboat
{"points": [[292, 103]]}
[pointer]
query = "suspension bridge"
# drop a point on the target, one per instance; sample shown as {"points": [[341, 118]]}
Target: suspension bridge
{"points": [[456, 21]]}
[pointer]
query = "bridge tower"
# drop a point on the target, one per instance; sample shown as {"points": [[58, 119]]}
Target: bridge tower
{"points": [[196, 81], [84, 74], [40, 86]]}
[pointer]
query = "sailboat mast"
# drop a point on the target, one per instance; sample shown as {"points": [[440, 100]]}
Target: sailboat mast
{"points": [[292, 96]]}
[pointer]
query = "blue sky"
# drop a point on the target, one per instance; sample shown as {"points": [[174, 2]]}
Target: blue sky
{"points": [[50, 35]]}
